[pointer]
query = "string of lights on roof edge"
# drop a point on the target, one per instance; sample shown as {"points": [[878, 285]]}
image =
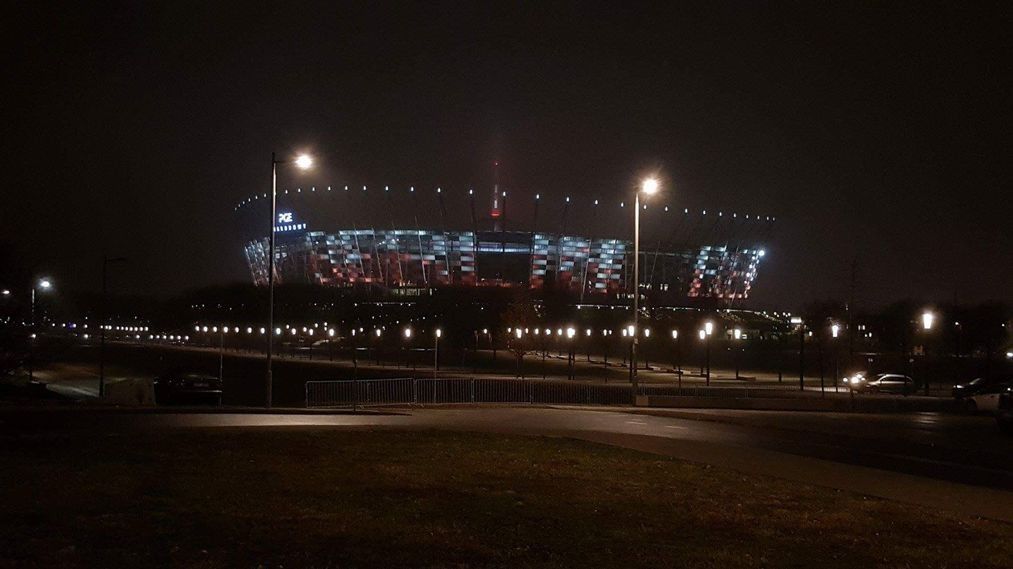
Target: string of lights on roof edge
{"points": [[538, 197]]}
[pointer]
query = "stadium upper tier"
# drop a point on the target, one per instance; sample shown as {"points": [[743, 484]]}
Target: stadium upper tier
{"points": [[333, 237]]}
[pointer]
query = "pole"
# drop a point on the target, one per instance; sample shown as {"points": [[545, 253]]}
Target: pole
{"points": [[269, 380], [708, 342], [678, 363], [801, 358], [436, 357], [31, 341], [736, 362], [221, 352], [636, 290]]}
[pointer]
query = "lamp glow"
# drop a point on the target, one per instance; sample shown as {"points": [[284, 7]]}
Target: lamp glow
{"points": [[649, 186], [304, 161]]}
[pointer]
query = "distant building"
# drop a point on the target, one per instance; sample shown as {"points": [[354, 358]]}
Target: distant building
{"points": [[714, 259]]}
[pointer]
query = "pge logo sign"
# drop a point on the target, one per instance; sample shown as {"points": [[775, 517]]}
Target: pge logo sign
{"points": [[286, 217]]}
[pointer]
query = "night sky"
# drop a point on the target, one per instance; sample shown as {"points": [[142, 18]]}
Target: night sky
{"points": [[876, 131]]}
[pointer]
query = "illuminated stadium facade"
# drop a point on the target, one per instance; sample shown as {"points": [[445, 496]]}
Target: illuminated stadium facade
{"points": [[683, 256]]}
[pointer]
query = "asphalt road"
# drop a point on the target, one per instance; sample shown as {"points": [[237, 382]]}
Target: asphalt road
{"points": [[954, 463]]}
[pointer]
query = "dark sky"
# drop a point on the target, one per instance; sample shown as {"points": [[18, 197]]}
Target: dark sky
{"points": [[875, 131]]}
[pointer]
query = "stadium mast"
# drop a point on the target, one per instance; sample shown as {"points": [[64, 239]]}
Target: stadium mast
{"points": [[497, 201]]}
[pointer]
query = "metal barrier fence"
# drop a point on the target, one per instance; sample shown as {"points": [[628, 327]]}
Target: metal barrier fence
{"points": [[423, 391], [419, 391]]}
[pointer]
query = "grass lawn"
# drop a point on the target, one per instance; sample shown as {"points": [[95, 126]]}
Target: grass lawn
{"points": [[331, 498]]}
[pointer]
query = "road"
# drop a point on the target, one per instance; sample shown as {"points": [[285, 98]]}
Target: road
{"points": [[959, 464]]}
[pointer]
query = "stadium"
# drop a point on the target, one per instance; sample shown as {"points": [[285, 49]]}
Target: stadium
{"points": [[404, 241]]}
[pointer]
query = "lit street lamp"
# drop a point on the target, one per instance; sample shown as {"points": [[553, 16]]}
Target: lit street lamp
{"points": [[570, 334], [835, 332], [677, 364], [408, 339], [737, 333], [797, 321], [303, 162], [43, 284], [648, 187], [928, 320], [436, 352], [708, 329]]}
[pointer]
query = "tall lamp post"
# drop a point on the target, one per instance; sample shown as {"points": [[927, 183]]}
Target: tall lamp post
{"points": [[708, 329], [928, 319], [677, 364], [570, 334], [407, 340], [648, 187], [303, 162], [797, 321], [737, 333], [835, 332], [436, 352], [43, 284]]}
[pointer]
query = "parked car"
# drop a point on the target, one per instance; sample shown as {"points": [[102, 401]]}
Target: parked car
{"points": [[962, 390], [1004, 411], [175, 388], [986, 399], [881, 383]]}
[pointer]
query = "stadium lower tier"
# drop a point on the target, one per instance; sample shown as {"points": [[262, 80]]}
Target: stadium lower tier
{"points": [[412, 259]]}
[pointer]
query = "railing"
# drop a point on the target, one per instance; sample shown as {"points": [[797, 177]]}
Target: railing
{"points": [[407, 391], [458, 390]]}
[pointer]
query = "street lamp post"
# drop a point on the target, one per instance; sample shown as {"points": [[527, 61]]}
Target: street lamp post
{"points": [[648, 186], [408, 339], [221, 352], [44, 284], [708, 329], [303, 162], [570, 334], [928, 320], [677, 364], [436, 352], [835, 331], [737, 333], [801, 351], [647, 336]]}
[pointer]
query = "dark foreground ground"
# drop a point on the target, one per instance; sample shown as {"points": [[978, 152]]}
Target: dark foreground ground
{"points": [[318, 497]]}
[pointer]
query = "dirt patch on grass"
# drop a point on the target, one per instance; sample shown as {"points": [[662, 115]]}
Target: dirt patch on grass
{"points": [[308, 497]]}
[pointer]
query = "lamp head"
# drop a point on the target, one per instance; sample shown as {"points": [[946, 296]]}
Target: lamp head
{"points": [[649, 186]]}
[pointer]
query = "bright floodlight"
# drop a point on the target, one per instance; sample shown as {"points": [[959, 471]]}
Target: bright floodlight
{"points": [[407, 333], [927, 319], [649, 186], [304, 161], [439, 332], [6, 292], [835, 330], [708, 328], [45, 284], [675, 334], [737, 333]]}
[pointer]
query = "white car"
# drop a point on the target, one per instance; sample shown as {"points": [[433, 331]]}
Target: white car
{"points": [[985, 400]]}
